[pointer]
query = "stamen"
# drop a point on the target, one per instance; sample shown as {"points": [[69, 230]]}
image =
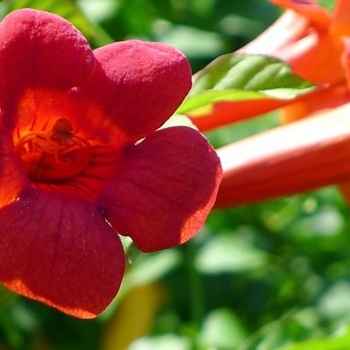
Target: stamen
{"points": [[55, 155]]}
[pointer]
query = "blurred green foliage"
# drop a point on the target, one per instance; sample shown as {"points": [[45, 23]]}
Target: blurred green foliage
{"points": [[202, 29], [267, 276]]}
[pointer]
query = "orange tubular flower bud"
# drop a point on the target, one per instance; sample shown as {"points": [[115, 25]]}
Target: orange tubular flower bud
{"points": [[287, 160]]}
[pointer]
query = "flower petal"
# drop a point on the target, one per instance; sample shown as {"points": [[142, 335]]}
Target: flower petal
{"points": [[13, 178], [287, 160], [40, 49], [286, 30], [139, 84], [59, 250], [316, 58], [341, 18], [304, 40], [164, 188], [317, 15]]}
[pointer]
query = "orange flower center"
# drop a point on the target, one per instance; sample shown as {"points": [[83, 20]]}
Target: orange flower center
{"points": [[55, 155]]}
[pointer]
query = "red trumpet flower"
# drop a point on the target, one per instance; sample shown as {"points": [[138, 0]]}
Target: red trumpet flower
{"points": [[82, 160]]}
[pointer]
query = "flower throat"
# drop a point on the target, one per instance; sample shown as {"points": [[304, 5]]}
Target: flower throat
{"points": [[54, 155]]}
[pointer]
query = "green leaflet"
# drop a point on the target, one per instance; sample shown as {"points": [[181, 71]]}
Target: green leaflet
{"points": [[339, 341], [237, 77], [328, 4]]}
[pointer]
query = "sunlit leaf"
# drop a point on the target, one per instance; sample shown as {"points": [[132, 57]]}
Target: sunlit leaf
{"points": [[222, 329], [240, 77], [149, 268], [335, 302], [169, 342], [277, 334], [339, 341], [247, 72], [198, 43], [328, 4], [228, 254]]}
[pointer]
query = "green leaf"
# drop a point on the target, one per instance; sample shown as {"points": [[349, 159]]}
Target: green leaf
{"points": [[212, 96], [229, 254], [328, 4], [144, 269], [167, 341], [198, 43], [222, 329], [277, 334], [247, 72], [237, 77], [335, 302], [339, 341], [151, 267]]}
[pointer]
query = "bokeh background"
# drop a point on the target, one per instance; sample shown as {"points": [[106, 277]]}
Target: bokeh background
{"points": [[273, 275]]}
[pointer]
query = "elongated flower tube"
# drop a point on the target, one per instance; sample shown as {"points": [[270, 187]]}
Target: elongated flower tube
{"points": [[290, 159]]}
